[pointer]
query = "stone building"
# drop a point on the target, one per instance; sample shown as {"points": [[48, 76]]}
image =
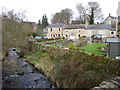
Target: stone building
{"points": [[73, 31], [105, 30], [110, 20], [78, 30], [54, 31]]}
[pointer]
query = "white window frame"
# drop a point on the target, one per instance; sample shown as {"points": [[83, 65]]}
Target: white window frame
{"points": [[90, 32], [101, 32], [66, 31]]}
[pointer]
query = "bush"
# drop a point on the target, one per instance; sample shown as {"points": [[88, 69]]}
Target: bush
{"points": [[34, 34], [71, 45]]}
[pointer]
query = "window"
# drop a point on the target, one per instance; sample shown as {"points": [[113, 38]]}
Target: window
{"points": [[89, 32], [51, 29], [78, 30], [78, 35], [101, 32], [58, 35], [51, 35], [110, 22], [59, 29], [66, 31], [112, 32], [66, 35]]}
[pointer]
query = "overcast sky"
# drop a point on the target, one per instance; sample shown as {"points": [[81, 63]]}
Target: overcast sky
{"points": [[36, 8]]}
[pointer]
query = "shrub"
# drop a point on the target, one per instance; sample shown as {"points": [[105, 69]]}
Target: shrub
{"points": [[34, 34], [71, 45]]}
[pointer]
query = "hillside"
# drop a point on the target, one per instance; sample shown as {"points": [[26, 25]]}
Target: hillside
{"points": [[15, 34]]}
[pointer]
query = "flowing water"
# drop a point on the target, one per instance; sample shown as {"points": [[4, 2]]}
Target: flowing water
{"points": [[23, 74]]}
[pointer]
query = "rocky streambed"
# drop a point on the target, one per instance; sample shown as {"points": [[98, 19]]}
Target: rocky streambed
{"points": [[23, 74]]}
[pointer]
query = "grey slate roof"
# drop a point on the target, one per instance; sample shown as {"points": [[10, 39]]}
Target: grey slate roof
{"points": [[112, 17], [113, 39], [74, 26], [56, 25], [100, 26], [78, 26]]}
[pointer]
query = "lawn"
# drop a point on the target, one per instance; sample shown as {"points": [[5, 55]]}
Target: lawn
{"points": [[92, 48]]}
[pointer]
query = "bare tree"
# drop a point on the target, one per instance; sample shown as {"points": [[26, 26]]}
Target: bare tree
{"points": [[21, 16], [93, 12], [56, 18], [3, 11], [64, 15], [82, 12], [11, 14]]}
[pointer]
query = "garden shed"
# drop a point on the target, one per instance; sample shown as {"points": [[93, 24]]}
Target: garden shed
{"points": [[114, 47]]}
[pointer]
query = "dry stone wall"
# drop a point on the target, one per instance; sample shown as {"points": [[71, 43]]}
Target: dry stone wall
{"points": [[113, 84]]}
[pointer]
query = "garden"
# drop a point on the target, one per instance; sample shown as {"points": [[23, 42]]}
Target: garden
{"points": [[93, 48]]}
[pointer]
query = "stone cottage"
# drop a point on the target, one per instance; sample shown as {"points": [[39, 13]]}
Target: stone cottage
{"points": [[78, 30]]}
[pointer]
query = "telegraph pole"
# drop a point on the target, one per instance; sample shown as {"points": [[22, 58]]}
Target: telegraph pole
{"points": [[118, 15], [116, 24]]}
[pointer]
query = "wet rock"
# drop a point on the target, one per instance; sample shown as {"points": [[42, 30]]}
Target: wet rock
{"points": [[7, 80], [24, 64], [52, 86], [25, 59], [20, 73], [12, 76], [25, 76]]}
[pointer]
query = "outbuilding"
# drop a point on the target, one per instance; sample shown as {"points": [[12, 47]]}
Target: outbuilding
{"points": [[114, 47]]}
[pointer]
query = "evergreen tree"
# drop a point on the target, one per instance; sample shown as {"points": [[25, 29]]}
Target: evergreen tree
{"points": [[39, 22], [92, 16], [44, 21]]}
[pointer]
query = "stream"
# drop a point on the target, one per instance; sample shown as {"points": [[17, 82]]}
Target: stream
{"points": [[24, 75]]}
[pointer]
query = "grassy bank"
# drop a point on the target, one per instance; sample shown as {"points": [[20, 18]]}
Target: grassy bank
{"points": [[72, 68]]}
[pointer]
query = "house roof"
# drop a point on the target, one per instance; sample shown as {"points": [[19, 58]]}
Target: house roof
{"points": [[112, 17], [113, 39], [75, 22], [74, 26], [56, 25], [78, 26], [100, 26]]}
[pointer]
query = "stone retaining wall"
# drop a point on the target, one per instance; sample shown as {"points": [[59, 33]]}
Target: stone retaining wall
{"points": [[113, 83]]}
